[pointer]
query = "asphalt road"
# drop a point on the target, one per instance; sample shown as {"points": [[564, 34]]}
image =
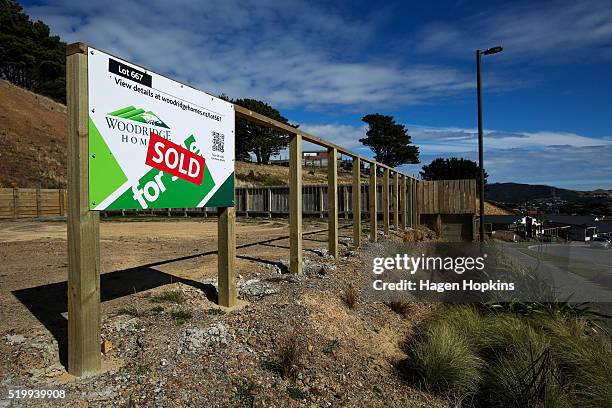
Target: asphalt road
{"points": [[567, 282], [577, 253]]}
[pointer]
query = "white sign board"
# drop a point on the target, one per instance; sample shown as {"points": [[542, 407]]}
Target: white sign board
{"points": [[154, 142]]}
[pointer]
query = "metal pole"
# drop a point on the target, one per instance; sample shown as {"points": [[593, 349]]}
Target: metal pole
{"points": [[480, 146]]}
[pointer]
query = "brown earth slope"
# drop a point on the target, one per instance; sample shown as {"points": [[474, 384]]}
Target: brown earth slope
{"points": [[32, 139]]}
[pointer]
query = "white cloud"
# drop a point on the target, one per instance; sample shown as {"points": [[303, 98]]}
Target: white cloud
{"points": [[557, 158], [289, 53]]}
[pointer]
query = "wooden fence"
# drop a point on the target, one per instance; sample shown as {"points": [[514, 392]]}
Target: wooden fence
{"points": [[446, 197], [433, 197], [32, 202]]}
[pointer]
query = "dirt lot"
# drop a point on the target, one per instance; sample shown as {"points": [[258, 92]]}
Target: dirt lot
{"points": [[182, 350]]}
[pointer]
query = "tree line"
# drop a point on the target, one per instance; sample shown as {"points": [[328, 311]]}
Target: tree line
{"points": [[32, 58]]}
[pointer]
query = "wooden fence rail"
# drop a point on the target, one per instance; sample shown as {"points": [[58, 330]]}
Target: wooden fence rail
{"points": [[433, 197]]}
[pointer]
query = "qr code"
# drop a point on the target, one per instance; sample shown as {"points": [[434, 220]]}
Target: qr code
{"points": [[218, 142]]}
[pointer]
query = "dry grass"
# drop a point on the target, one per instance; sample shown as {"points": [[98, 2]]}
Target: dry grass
{"points": [[400, 307], [290, 354], [350, 296]]}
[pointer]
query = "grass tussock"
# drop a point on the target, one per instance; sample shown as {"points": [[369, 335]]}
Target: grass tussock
{"points": [[169, 296], [289, 358], [350, 296], [400, 307], [181, 316], [444, 362], [504, 359], [129, 311], [260, 179]]}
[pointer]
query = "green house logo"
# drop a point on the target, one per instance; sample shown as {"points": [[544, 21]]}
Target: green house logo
{"points": [[139, 115]]}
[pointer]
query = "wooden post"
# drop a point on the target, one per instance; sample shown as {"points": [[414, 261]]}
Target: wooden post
{"points": [[38, 202], [373, 201], [386, 201], [345, 194], [226, 226], [246, 202], [356, 202], [415, 203], [16, 203], [269, 196], [60, 197], [409, 203], [332, 201], [396, 201], [320, 193], [83, 226], [295, 204], [404, 197]]}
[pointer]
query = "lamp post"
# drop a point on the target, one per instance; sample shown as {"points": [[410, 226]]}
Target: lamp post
{"points": [[493, 50]]}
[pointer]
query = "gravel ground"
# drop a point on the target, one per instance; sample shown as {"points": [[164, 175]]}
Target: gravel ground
{"points": [[172, 346]]}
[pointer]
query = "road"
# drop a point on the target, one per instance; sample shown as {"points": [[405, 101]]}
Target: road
{"points": [[577, 252], [558, 263]]}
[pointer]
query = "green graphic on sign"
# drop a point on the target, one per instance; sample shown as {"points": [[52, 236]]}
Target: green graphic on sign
{"points": [[139, 115]]}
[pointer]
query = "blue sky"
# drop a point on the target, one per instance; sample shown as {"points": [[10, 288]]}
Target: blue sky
{"points": [[548, 95]]}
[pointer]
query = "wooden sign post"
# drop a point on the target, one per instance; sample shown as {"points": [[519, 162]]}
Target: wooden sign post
{"points": [[83, 226]]}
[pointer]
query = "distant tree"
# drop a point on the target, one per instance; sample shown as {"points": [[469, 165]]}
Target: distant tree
{"points": [[29, 56], [389, 141], [452, 169], [262, 141]]}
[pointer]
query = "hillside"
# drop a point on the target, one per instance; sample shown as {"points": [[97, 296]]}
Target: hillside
{"points": [[33, 146], [520, 193], [32, 139]]}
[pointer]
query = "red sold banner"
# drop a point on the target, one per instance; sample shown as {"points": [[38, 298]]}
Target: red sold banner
{"points": [[173, 159]]}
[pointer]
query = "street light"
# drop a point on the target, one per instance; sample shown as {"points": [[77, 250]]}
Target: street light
{"points": [[490, 51]]}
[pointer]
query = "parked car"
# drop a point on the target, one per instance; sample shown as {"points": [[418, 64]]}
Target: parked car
{"points": [[601, 242]]}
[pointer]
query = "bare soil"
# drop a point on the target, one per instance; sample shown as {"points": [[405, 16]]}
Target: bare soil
{"points": [[186, 351]]}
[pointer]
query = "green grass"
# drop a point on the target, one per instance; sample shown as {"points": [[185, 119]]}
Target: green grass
{"points": [[181, 316], [169, 296], [331, 346], [215, 311], [297, 393], [129, 311], [496, 357], [157, 310], [141, 369], [445, 362], [245, 393]]}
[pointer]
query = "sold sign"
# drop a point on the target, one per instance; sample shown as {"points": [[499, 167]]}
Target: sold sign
{"points": [[173, 159]]}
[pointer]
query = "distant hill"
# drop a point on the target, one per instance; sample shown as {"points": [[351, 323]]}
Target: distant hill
{"points": [[520, 193]]}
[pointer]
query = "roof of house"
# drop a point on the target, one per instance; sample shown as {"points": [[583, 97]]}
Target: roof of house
{"points": [[579, 220], [502, 219], [604, 226]]}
